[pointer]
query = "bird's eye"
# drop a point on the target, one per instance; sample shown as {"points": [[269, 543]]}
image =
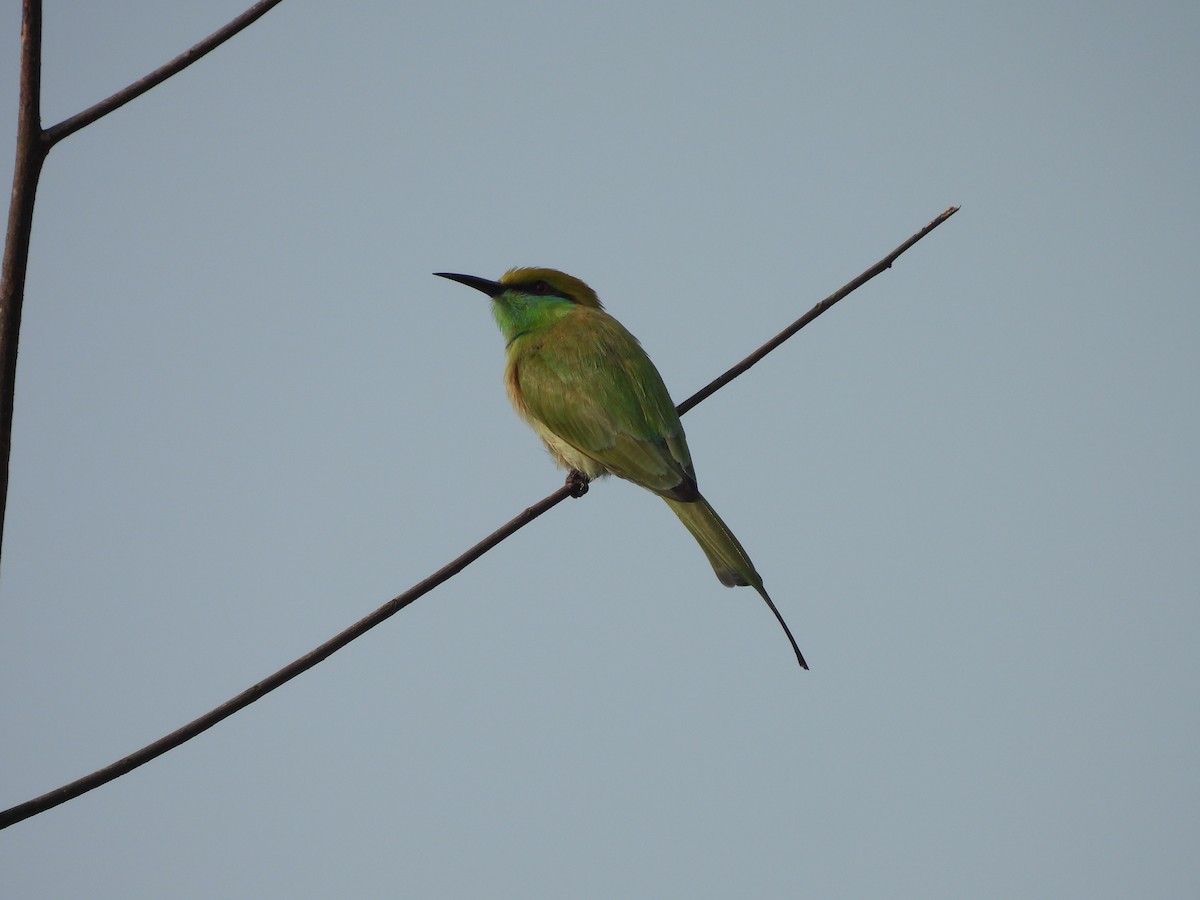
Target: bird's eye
{"points": [[540, 287]]}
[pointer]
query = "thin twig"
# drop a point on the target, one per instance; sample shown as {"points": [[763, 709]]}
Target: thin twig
{"points": [[849, 287], [284, 675], [159, 75], [393, 606]]}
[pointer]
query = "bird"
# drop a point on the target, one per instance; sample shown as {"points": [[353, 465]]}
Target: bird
{"points": [[590, 392]]}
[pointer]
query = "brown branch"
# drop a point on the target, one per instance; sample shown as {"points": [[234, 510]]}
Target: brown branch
{"points": [[33, 143], [159, 75], [284, 675], [31, 153], [848, 288], [393, 606]]}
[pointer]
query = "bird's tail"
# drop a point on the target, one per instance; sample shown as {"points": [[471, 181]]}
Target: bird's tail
{"points": [[729, 560]]}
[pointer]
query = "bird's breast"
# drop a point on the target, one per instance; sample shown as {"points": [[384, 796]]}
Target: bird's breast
{"points": [[512, 385]]}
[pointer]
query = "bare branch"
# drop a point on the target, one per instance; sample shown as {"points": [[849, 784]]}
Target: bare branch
{"points": [[284, 675], [159, 75], [33, 143], [31, 153], [848, 288], [287, 673]]}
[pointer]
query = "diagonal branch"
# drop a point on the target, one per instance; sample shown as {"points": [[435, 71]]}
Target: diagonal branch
{"points": [[848, 288], [158, 76], [287, 673], [284, 675]]}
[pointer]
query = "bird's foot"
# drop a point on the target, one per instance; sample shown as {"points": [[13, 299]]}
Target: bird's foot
{"points": [[577, 483]]}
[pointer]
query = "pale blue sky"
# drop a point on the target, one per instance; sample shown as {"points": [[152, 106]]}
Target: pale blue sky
{"points": [[247, 415]]}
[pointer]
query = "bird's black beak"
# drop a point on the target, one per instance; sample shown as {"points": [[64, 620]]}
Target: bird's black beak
{"points": [[491, 288]]}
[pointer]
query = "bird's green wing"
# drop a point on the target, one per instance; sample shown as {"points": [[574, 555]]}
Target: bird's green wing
{"points": [[594, 387]]}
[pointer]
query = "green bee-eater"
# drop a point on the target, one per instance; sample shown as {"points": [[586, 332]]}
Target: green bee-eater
{"points": [[589, 390]]}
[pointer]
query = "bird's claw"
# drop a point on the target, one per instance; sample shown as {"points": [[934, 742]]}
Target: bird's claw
{"points": [[577, 483]]}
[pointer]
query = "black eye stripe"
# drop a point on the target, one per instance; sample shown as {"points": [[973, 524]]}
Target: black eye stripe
{"points": [[545, 289]]}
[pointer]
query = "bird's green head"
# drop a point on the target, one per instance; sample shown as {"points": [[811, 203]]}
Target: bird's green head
{"points": [[527, 299]]}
